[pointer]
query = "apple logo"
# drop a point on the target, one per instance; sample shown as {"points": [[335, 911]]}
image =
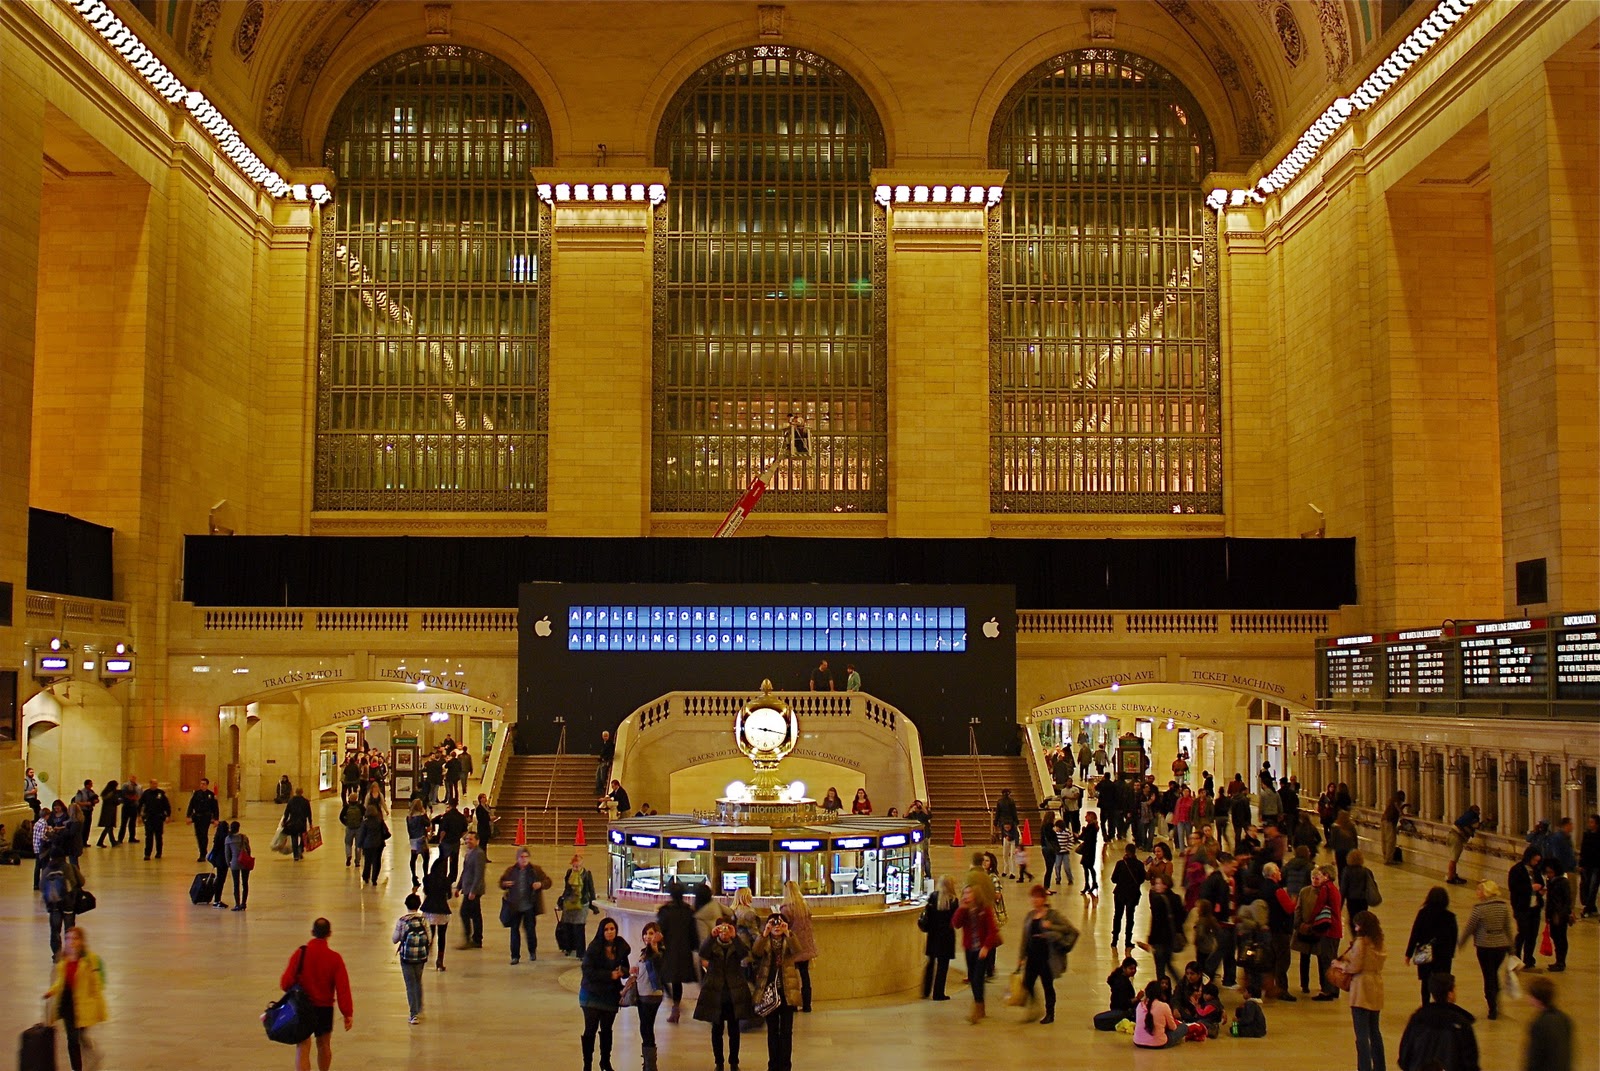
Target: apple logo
{"points": [[991, 629], [541, 627]]}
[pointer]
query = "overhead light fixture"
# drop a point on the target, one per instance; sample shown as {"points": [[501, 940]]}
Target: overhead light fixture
{"points": [[635, 192]]}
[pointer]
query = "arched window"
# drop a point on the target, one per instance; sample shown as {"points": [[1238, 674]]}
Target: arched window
{"points": [[431, 370], [1106, 381], [768, 303]]}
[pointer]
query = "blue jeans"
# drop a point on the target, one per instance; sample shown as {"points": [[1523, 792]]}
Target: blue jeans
{"points": [[412, 973], [1369, 1040]]}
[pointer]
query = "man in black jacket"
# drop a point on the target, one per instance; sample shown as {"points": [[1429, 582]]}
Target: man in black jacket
{"points": [[203, 812], [155, 809], [1218, 888], [1127, 881], [1525, 884], [1440, 1032], [296, 820], [1005, 810], [452, 825]]}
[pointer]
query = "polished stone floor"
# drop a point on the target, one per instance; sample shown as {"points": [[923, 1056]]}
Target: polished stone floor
{"points": [[186, 985]]}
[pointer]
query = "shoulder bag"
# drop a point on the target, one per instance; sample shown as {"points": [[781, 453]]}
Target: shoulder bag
{"points": [[1336, 975], [290, 1019]]}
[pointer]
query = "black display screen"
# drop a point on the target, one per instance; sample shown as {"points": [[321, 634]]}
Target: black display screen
{"points": [[593, 653], [1577, 662]]}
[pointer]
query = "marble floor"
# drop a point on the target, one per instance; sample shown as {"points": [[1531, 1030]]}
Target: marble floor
{"points": [[186, 985]]}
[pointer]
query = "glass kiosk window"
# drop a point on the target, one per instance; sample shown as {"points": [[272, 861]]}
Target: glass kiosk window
{"points": [[902, 870]]}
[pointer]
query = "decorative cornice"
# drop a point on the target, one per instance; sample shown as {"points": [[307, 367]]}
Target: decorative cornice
{"points": [[566, 186]]}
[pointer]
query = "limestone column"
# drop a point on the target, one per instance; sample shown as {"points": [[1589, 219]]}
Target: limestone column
{"points": [[1572, 796], [1426, 797], [1483, 793], [1538, 791], [1544, 156], [600, 280], [1452, 787], [1506, 820], [1386, 789], [939, 308], [22, 77]]}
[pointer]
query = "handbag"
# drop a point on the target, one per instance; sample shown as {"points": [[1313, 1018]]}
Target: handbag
{"points": [[247, 861], [85, 902], [1547, 945], [630, 993], [289, 1020], [1422, 956], [1336, 975], [922, 919], [1017, 995], [771, 998], [508, 916]]}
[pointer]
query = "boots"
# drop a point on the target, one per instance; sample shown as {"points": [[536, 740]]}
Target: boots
{"points": [[649, 1053], [677, 1006], [605, 1054], [588, 1053], [977, 1013]]}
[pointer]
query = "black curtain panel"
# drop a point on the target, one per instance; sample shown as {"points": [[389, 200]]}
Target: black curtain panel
{"points": [[1057, 574], [69, 556]]}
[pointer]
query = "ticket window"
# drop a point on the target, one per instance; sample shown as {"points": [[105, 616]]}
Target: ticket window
{"points": [[806, 869], [687, 868], [738, 872]]}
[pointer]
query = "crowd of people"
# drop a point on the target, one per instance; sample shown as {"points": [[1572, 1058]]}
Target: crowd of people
{"points": [[1256, 878]]}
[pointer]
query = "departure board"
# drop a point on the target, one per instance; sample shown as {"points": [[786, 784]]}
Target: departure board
{"points": [[1551, 659], [1418, 665], [1577, 658], [1352, 671], [842, 629], [1505, 666]]}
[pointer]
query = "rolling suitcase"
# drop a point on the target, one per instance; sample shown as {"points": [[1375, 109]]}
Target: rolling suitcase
{"points": [[37, 1049], [203, 888]]}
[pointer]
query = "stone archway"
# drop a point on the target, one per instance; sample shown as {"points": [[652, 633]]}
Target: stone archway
{"points": [[73, 730]]}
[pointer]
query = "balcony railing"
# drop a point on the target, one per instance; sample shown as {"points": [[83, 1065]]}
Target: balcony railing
{"points": [[1176, 622], [68, 613], [1029, 622]]}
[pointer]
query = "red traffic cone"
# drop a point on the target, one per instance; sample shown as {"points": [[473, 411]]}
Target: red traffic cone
{"points": [[956, 841], [1027, 834], [578, 839], [522, 832]]}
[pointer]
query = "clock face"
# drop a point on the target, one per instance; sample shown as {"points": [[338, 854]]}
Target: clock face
{"points": [[766, 729]]}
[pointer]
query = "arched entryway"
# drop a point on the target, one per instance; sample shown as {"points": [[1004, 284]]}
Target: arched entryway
{"points": [[72, 730]]}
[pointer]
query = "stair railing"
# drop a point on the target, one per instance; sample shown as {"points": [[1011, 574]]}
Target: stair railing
{"points": [[561, 749], [972, 749]]}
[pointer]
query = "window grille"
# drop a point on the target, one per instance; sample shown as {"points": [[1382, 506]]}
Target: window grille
{"points": [[431, 365], [1105, 367], [768, 288]]}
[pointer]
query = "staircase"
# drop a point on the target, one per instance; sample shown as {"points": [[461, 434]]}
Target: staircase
{"points": [[568, 783], [954, 791]]}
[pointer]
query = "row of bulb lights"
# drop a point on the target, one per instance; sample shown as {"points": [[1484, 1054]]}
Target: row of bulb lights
{"points": [[988, 196], [170, 88], [551, 193], [1391, 70]]}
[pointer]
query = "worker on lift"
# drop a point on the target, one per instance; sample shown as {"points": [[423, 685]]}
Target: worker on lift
{"points": [[797, 438]]}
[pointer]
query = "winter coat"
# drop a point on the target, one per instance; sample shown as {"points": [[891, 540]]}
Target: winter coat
{"points": [[88, 991], [1558, 901], [941, 940], [515, 891], [1437, 929], [598, 989], [1048, 936], [801, 934], [676, 920], [1167, 916], [436, 891], [1127, 881], [1364, 961], [1439, 1032], [373, 835], [706, 917], [724, 977], [771, 953], [296, 815], [1489, 926]]}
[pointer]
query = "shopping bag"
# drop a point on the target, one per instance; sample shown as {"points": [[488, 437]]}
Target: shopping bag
{"points": [[1017, 996], [280, 842], [1511, 984], [1547, 946], [313, 838]]}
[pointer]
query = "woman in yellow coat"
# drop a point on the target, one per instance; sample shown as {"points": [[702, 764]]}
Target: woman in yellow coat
{"points": [[77, 993]]}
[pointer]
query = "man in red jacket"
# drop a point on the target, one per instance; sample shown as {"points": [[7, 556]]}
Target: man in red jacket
{"points": [[320, 972]]}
